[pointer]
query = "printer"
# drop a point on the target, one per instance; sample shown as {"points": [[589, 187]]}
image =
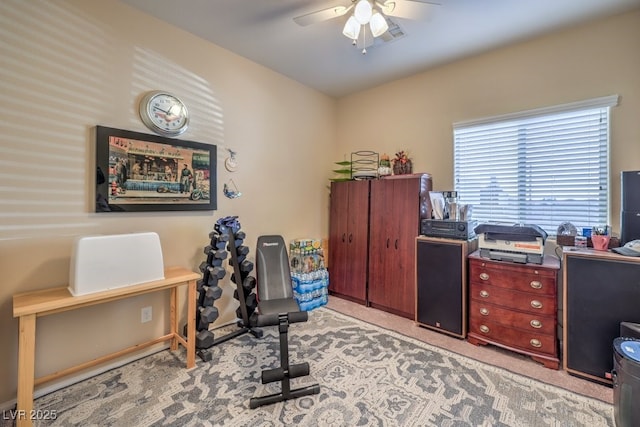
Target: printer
{"points": [[515, 243]]}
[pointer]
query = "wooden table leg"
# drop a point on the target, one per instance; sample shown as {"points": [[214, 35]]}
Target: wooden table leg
{"points": [[173, 318], [191, 324], [26, 369]]}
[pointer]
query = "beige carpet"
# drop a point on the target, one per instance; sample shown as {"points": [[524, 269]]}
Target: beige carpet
{"points": [[489, 354], [368, 376]]}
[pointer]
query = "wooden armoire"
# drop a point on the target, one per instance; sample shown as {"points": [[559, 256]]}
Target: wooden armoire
{"points": [[380, 272], [349, 239]]}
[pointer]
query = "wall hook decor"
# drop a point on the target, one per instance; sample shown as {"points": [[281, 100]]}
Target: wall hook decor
{"points": [[230, 163], [229, 192]]}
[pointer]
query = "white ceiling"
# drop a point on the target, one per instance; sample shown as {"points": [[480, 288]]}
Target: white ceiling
{"points": [[319, 56]]}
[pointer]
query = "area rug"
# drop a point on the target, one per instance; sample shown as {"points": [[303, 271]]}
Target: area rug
{"points": [[368, 376]]}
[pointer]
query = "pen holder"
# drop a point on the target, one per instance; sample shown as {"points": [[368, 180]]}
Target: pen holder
{"points": [[600, 242]]}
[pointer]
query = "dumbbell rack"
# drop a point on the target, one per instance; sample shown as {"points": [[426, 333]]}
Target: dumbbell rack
{"points": [[213, 271]]}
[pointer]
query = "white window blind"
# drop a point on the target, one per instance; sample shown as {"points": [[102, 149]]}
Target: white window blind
{"points": [[541, 167]]}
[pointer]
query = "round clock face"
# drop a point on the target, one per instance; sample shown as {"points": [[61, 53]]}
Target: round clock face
{"points": [[164, 113]]}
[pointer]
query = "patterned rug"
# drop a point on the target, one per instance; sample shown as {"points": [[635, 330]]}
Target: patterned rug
{"points": [[368, 376]]}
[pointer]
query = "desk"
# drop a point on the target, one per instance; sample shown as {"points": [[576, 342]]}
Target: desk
{"points": [[27, 306]]}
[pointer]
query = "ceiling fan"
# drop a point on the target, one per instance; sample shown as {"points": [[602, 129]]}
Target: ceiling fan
{"points": [[375, 13]]}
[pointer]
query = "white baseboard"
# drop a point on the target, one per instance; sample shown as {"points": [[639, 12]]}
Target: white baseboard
{"points": [[6, 406]]}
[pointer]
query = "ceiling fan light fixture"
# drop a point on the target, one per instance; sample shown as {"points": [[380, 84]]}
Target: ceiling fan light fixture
{"points": [[387, 7], [351, 28], [378, 25], [363, 12]]}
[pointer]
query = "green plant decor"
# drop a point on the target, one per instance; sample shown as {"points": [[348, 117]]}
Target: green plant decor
{"points": [[343, 173]]}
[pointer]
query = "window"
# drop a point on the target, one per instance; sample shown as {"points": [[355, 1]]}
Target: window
{"points": [[541, 167]]}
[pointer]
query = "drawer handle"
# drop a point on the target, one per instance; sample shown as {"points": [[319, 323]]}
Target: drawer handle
{"points": [[536, 284], [484, 311], [484, 294], [535, 343], [484, 276], [535, 323], [536, 304], [484, 329]]}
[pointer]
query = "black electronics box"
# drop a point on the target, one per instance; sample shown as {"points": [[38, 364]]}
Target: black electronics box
{"points": [[460, 230]]}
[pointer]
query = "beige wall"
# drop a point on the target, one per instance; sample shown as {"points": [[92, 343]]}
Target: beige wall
{"points": [[69, 65], [416, 113]]}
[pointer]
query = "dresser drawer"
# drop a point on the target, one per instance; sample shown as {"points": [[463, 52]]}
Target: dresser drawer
{"points": [[530, 322], [523, 278], [532, 342], [512, 299]]}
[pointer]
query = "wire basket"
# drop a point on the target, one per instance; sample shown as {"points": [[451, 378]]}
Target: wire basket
{"points": [[364, 165]]}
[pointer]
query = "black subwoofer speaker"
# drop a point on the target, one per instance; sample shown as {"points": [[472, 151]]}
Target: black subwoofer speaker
{"points": [[441, 279], [600, 292], [630, 213]]}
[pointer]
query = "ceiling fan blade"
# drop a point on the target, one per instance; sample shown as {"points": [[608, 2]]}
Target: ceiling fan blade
{"points": [[409, 9], [321, 15]]}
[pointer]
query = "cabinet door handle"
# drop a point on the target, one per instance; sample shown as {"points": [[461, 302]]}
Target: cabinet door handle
{"points": [[387, 243], [535, 284], [344, 237], [536, 304], [484, 294], [484, 311], [535, 343], [396, 244], [484, 329], [350, 237], [535, 323], [484, 276]]}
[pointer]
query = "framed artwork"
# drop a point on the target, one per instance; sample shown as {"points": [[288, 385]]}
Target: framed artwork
{"points": [[140, 172]]}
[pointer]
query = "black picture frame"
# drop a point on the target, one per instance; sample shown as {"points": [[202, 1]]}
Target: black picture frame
{"points": [[141, 172]]}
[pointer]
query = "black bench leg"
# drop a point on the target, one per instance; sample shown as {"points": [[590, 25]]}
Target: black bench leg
{"points": [[284, 374]]}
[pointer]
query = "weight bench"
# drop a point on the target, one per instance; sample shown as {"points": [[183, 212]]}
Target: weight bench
{"points": [[277, 307]]}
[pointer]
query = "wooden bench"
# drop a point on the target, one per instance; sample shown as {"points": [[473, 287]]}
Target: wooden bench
{"points": [[30, 305]]}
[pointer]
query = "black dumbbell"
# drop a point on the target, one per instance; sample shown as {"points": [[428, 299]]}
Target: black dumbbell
{"points": [[243, 275], [251, 302], [218, 244], [244, 291], [222, 228], [250, 311], [240, 258], [207, 315], [249, 283], [246, 266], [224, 237], [204, 339], [240, 235], [253, 320], [211, 276], [209, 295], [200, 284], [239, 312], [237, 243], [203, 266], [212, 251], [242, 250], [216, 272]]}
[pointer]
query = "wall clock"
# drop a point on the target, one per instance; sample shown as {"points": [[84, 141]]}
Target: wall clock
{"points": [[164, 113]]}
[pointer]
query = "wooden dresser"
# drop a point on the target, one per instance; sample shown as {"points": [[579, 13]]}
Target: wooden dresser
{"points": [[515, 306]]}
